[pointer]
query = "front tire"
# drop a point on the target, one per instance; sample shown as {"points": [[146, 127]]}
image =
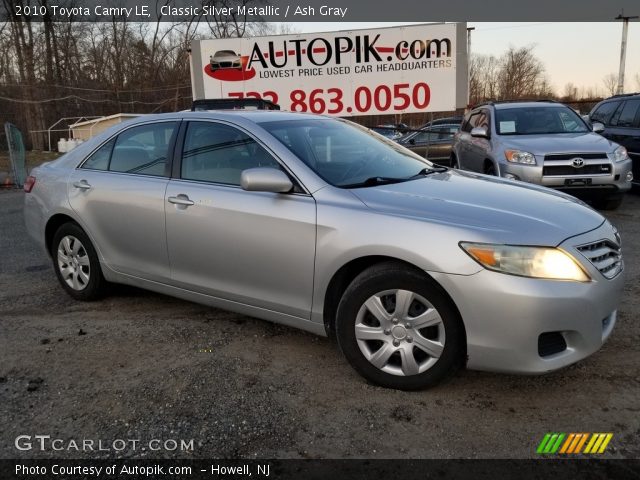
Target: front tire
{"points": [[398, 328], [76, 263]]}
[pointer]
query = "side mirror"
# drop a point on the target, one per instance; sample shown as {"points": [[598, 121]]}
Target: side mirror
{"points": [[597, 127], [479, 132], [265, 179]]}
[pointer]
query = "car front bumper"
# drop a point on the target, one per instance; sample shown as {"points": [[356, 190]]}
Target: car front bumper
{"points": [[616, 181], [504, 315]]}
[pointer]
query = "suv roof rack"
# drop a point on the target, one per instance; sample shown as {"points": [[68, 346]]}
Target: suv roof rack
{"points": [[518, 100], [233, 104]]}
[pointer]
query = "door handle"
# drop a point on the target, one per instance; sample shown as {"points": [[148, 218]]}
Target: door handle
{"points": [[181, 199], [82, 185]]}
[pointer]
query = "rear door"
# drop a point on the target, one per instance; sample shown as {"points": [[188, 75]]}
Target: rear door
{"points": [[255, 248], [118, 193]]}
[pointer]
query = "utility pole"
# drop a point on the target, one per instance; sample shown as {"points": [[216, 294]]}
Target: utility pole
{"points": [[469, 30], [623, 49]]}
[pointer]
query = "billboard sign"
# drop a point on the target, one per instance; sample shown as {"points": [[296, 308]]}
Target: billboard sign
{"points": [[417, 68]]}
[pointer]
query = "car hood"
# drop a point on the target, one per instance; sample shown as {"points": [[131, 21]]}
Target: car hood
{"points": [[559, 143], [499, 210]]}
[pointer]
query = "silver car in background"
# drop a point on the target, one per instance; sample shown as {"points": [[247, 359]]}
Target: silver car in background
{"points": [[546, 143], [317, 223]]}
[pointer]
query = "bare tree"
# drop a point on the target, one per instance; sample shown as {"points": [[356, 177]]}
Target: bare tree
{"points": [[570, 92], [483, 78], [610, 83], [521, 74]]}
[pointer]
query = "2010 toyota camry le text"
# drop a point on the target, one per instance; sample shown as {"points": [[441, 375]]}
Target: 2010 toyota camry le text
{"points": [[415, 269]]}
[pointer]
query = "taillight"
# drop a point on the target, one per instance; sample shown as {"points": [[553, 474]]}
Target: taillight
{"points": [[29, 184]]}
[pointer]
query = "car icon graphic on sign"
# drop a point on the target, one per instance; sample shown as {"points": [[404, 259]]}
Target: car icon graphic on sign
{"points": [[225, 59]]}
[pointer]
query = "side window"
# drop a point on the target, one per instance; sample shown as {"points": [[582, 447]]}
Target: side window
{"points": [[603, 112], [142, 150], [446, 133], [426, 136], [472, 122], [628, 113], [99, 160], [484, 120], [218, 153]]}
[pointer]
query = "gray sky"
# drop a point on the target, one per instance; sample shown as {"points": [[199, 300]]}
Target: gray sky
{"points": [[580, 53]]}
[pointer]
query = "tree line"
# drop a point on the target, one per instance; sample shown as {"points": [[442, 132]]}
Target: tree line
{"points": [[50, 70]]}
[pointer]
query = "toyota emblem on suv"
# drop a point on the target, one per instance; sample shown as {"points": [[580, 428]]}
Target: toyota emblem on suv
{"points": [[577, 162]]}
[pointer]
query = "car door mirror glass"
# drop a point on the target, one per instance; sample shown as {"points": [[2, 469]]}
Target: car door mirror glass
{"points": [[598, 127], [265, 179], [479, 132]]}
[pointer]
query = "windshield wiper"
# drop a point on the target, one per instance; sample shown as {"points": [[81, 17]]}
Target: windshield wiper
{"points": [[428, 171], [372, 181]]}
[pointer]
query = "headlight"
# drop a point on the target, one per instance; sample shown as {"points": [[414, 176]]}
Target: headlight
{"points": [[536, 262], [517, 156], [619, 154]]}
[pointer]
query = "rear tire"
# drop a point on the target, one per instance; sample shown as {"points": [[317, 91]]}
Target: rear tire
{"points": [[398, 329], [76, 263]]}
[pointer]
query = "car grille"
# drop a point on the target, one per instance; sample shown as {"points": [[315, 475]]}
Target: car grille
{"points": [[561, 164], [605, 255], [564, 170], [571, 156]]}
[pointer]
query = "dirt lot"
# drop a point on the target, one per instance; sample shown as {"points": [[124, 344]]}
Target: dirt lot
{"points": [[143, 366]]}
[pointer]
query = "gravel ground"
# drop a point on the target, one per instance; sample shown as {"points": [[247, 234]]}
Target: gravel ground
{"points": [[138, 365]]}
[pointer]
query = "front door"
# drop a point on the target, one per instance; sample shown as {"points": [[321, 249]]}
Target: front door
{"points": [[255, 248]]}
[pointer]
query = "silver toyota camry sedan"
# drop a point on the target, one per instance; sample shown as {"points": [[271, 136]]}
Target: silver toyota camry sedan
{"points": [[415, 269]]}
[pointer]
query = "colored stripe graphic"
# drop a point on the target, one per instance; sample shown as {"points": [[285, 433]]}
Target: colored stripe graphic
{"points": [[572, 443], [550, 443]]}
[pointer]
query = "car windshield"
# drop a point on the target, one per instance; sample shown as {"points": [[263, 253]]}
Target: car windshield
{"points": [[347, 155], [538, 120]]}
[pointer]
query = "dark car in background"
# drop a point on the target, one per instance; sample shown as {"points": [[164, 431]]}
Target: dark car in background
{"points": [[432, 142], [620, 116], [392, 131], [444, 121]]}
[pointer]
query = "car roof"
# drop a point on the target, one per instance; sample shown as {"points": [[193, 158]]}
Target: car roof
{"points": [[255, 116]]}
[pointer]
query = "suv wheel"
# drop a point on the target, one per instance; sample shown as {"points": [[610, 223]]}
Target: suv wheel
{"points": [[398, 329]]}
